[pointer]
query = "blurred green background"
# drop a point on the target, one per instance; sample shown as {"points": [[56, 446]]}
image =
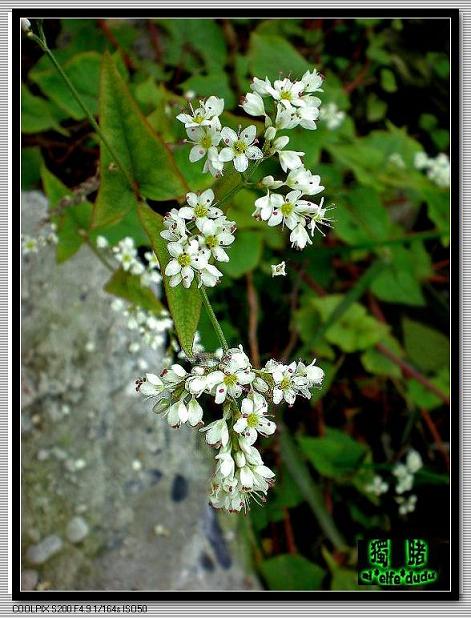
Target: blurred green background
{"points": [[370, 300]]}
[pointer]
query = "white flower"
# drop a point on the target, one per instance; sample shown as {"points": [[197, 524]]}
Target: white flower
{"points": [[378, 486], [312, 81], [196, 382], [278, 270], [289, 209], [188, 257], [152, 260], [420, 160], [199, 207], [177, 414], [117, 304], [202, 138], [226, 465], [175, 226], [25, 24], [203, 115], [261, 86], [239, 148], [209, 276], [439, 170], [253, 104], [289, 159], [29, 244], [253, 418], [413, 461], [213, 165], [235, 373], [305, 181], [405, 480], [195, 413], [101, 242], [215, 235], [284, 386], [287, 92], [406, 505], [125, 252], [332, 116], [299, 237], [299, 116], [152, 386], [317, 217], [270, 183], [217, 433]]}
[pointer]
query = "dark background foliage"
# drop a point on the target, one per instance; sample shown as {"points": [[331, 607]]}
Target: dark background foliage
{"points": [[385, 263]]}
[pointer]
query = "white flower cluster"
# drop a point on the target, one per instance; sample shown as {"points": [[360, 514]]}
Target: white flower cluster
{"points": [[197, 233], [438, 168], [332, 116], [404, 473], [284, 105], [32, 244], [244, 393], [151, 328], [205, 133], [125, 253]]}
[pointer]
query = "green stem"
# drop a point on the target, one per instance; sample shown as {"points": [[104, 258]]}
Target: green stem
{"points": [[42, 43], [214, 320], [310, 490]]}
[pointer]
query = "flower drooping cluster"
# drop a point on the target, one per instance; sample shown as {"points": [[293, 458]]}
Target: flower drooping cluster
{"points": [[197, 233], [244, 394], [285, 105], [125, 253], [438, 168], [32, 244], [151, 327], [404, 473]]}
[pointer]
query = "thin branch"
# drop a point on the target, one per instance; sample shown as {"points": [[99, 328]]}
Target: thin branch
{"points": [[436, 436], [103, 23], [410, 372]]}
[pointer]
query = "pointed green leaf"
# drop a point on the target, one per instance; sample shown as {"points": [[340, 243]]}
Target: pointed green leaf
{"points": [[292, 572], [184, 304], [146, 159]]}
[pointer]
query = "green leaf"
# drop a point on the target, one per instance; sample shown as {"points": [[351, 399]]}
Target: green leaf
{"points": [[362, 217], [37, 114], [422, 397], [207, 85], [83, 70], [72, 219], [355, 329], [342, 578], [31, 161], [388, 80], [375, 108], [335, 455], [146, 158], [400, 280], [270, 55], [438, 210], [378, 364], [125, 285], [184, 304], [244, 254], [291, 572], [428, 349], [130, 225]]}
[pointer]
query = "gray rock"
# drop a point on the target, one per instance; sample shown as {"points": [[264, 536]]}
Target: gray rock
{"points": [[77, 530], [37, 554], [107, 428], [29, 579]]}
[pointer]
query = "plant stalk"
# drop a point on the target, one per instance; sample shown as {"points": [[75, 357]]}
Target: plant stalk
{"points": [[214, 320]]}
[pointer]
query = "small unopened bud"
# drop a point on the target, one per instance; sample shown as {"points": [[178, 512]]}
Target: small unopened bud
{"points": [[162, 405], [25, 25]]}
